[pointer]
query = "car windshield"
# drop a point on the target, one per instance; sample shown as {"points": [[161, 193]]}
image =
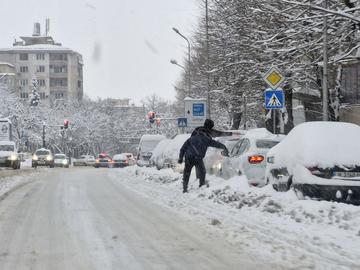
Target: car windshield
{"points": [[10, 148], [60, 157], [42, 152], [266, 143]]}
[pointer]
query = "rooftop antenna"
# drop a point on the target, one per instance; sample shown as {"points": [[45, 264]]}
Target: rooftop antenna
{"points": [[47, 27]]}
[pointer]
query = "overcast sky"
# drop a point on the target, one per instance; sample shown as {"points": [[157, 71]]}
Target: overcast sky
{"points": [[126, 44]]}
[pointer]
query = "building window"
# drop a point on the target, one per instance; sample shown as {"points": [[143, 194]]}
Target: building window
{"points": [[24, 82], [24, 56], [41, 82], [40, 56], [58, 69], [24, 95], [42, 95], [58, 57], [24, 69], [59, 95], [58, 82], [40, 69]]}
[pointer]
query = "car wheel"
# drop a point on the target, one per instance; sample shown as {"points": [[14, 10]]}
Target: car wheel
{"points": [[52, 166]]}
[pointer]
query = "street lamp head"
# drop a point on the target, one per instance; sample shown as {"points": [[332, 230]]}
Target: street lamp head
{"points": [[176, 30], [173, 61]]}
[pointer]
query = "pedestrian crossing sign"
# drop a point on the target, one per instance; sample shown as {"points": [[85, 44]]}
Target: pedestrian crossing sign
{"points": [[182, 122], [274, 99]]}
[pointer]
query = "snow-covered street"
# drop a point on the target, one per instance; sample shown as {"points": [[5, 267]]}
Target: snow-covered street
{"points": [[275, 228], [94, 219]]}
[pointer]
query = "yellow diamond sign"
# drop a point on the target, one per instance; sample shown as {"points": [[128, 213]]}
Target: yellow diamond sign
{"points": [[273, 78]]}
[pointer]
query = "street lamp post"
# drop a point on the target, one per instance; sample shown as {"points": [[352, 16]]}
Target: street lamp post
{"points": [[189, 57], [174, 62]]}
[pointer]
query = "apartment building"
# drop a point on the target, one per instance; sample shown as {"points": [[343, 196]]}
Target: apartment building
{"points": [[58, 70]]}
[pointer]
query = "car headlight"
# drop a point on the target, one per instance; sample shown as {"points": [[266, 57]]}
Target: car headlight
{"points": [[65, 162], [49, 158], [219, 166], [35, 157], [12, 157]]}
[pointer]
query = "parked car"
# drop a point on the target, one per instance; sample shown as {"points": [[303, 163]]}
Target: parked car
{"points": [[61, 160], [123, 160], [8, 155], [103, 160], [146, 147], [84, 160], [248, 156], [318, 159], [158, 156], [42, 157], [213, 157], [169, 154]]}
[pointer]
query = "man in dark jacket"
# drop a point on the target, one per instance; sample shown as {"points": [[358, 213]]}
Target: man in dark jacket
{"points": [[208, 128], [194, 150]]}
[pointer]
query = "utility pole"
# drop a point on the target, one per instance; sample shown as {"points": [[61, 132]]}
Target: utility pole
{"points": [[244, 111], [43, 135], [325, 100], [207, 61]]}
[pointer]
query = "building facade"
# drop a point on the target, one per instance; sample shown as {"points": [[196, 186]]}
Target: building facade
{"points": [[58, 70], [8, 76]]}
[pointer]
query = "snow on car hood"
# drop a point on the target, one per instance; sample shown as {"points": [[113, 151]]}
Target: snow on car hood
{"points": [[5, 153], [322, 144]]}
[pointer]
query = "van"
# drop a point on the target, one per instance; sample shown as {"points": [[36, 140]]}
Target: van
{"points": [[146, 147]]}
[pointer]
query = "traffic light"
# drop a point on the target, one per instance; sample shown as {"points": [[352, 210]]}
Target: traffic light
{"points": [[66, 123], [151, 116], [158, 120]]}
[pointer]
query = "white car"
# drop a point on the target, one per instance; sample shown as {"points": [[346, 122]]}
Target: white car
{"points": [[318, 159], [147, 144], [61, 160], [8, 155], [158, 158], [213, 157], [248, 156], [84, 160]]}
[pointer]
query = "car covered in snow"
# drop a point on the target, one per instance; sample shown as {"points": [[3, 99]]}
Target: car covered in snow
{"points": [[158, 158], [167, 155], [84, 160], [8, 155], [61, 160], [148, 143], [214, 158], [248, 156], [123, 160], [318, 159], [43, 157]]}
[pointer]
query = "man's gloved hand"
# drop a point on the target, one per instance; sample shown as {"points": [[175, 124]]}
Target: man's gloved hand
{"points": [[225, 153], [180, 161]]}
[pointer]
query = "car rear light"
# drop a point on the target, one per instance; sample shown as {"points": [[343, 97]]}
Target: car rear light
{"points": [[97, 161], [255, 159], [126, 161]]}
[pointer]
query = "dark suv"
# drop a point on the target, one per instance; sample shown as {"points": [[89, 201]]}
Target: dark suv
{"points": [[43, 157]]}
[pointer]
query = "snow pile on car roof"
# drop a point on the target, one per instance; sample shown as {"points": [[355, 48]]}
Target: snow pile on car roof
{"points": [[262, 133], [159, 149], [323, 144], [173, 148]]}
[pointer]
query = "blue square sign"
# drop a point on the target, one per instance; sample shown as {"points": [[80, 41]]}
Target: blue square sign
{"points": [[198, 109], [182, 122], [274, 99]]}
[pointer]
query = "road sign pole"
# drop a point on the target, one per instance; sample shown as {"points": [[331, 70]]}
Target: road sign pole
{"points": [[274, 120]]}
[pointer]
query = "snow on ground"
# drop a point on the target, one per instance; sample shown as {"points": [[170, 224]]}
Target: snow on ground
{"points": [[271, 226]]}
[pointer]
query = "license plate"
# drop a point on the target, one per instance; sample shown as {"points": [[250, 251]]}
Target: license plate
{"points": [[347, 174]]}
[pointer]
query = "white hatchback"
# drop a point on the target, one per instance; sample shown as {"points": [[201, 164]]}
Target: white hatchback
{"points": [[248, 156]]}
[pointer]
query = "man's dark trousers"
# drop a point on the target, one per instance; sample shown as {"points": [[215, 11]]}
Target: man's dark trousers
{"points": [[200, 171]]}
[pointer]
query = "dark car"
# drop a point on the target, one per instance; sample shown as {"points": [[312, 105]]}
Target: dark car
{"points": [[103, 160], [43, 157]]}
